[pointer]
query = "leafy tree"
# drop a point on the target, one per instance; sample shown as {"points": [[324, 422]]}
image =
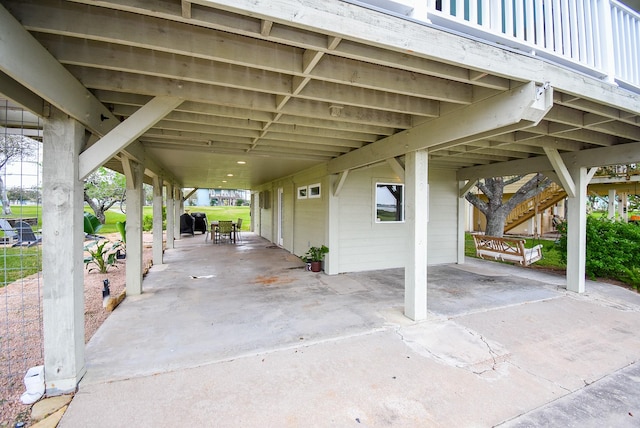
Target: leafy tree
{"points": [[495, 208], [23, 194], [618, 170], [14, 148], [102, 190], [147, 190]]}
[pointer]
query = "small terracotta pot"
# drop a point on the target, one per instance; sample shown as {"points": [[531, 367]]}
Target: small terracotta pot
{"points": [[316, 266]]}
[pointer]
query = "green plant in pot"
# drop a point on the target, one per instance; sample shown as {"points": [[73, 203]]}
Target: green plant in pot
{"points": [[314, 256]]}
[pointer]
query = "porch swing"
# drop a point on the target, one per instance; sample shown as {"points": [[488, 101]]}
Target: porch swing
{"points": [[511, 250]]}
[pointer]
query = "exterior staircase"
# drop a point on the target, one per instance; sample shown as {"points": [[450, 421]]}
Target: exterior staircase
{"points": [[527, 209]]}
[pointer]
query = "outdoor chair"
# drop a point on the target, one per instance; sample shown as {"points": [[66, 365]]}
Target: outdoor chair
{"points": [[26, 236], [225, 228], [10, 234], [186, 224], [239, 229]]}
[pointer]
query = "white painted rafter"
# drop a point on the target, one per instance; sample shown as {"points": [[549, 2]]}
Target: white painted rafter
{"points": [[561, 170], [340, 183], [45, 78], [466, 187], [41, 73], [519, 105], [601, 156], [125, 133], [397, 167], [276, 68]]}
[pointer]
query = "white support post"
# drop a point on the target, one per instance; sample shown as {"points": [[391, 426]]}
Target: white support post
{"points": [[157, 220], [611, 213], [416, 219], [576, 231], [332, 259], [622, 207], [462, 213], [171, 219], [62, 254], [177, 210], [134, 175]]}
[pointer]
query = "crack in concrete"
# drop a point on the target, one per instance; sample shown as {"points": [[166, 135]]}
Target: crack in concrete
{"points": [[492, 353], [537, 376], [425, 349]]}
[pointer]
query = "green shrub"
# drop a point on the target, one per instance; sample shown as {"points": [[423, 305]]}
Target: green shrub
{"points": [[147, 223], [613, 250]]}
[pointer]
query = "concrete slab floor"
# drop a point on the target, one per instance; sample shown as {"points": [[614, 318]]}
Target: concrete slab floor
{"points": [[240, 335]]}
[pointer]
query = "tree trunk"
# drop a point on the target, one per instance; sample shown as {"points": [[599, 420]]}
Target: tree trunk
{"points": [[495, 225], [6, 207], [97, 210], [495, 209]]}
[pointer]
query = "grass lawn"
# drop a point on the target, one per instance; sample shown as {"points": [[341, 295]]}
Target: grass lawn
{"points": [[225, 213], [26, 211], [16, 263], [213, 213]]}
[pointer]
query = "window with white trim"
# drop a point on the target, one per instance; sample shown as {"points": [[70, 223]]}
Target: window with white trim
{"points": [[389, 202]]}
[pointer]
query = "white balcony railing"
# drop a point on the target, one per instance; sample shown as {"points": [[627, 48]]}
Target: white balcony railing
{"points": [[626, 44], [599, 37]]}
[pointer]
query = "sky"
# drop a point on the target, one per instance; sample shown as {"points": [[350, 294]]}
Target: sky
{"points": [[22, 174]]}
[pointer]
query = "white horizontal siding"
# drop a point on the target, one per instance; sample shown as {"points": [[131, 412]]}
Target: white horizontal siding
{"points": [[263, 222], [364, 244], [310, 215], [367, 245], [443, 217]]}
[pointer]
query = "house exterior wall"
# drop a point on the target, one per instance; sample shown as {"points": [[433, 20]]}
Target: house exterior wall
{"points": [[361, 242], [443, 221], [310, 213], [365, 244], [303, 220]]}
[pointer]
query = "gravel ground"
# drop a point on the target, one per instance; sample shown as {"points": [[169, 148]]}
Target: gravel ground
{"points": [[21, 332]]}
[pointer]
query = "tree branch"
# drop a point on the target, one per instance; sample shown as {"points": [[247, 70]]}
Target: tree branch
{"points": [[482, 185], [512, 180], [477, 202], [531, 188]]}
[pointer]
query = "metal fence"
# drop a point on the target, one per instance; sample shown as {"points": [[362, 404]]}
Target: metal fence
{"points": [[20, 261]]}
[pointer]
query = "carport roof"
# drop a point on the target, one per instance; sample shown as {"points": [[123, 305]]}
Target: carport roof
{"points": [[285, 85]]}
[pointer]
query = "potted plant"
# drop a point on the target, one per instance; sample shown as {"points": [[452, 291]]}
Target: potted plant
{"points": [[314, 257]]}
